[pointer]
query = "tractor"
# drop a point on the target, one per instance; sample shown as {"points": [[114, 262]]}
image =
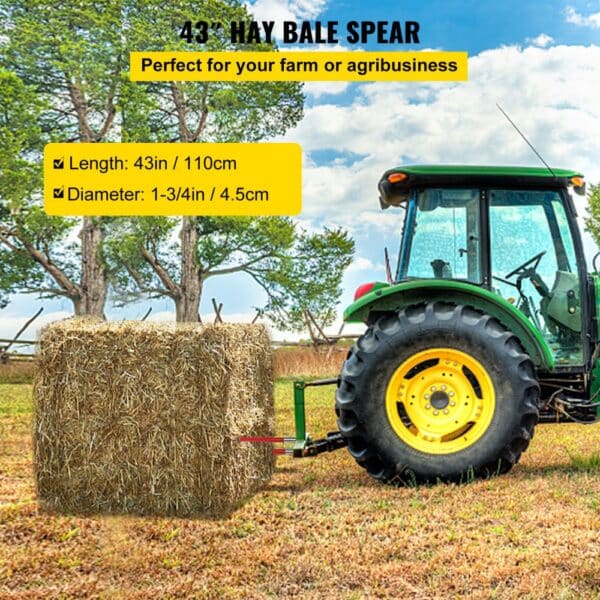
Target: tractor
{"points": [[487, 327]]}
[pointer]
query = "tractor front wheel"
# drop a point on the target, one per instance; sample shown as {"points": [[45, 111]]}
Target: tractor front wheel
{"points": [[437, 391]]}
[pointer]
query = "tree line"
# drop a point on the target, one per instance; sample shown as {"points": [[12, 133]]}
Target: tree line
{"points": [[64, 78]]}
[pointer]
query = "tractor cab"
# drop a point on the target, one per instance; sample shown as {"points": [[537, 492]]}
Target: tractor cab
{"points": [[509, 230]]}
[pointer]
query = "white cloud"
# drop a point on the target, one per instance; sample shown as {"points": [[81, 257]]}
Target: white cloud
{"points": [[11, 322], [591, 20], [551, 93], [316, 89], [286, 10], [361, 263], [541, 41]]}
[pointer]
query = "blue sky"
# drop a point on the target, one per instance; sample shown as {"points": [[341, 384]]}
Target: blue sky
{"points": [[541, 60], [473, 25]]}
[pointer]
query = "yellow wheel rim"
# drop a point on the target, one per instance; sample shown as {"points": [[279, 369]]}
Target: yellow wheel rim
{"points": [[440, 401]]}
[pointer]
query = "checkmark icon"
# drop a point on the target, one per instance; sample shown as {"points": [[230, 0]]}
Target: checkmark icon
{"points": [[59, 193], [58, 163]]}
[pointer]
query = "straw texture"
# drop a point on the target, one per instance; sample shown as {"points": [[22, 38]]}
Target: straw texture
{"points": [[144, 418]]}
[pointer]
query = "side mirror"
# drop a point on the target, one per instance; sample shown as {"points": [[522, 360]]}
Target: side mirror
{"points": [[596, 256]]}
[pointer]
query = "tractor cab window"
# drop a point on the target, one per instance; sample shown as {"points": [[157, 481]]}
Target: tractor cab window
{"points": [[534, 268], [442, 238]]}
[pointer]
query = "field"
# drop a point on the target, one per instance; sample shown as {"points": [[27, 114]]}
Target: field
{"points": [[321, 529]]}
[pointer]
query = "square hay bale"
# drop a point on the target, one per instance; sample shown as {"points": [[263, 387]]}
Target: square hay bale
{"points": [[144, 418]]}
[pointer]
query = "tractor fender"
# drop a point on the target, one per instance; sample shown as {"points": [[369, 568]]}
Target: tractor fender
{"points": [[385, 298]]}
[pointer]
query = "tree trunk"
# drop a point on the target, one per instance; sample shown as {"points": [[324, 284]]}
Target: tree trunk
{"points": [[188, 304], [187, 309], [94, 284]]}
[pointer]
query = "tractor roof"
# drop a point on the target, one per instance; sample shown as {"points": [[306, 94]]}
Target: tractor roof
{"points": [[486, 171], [396, 183]]}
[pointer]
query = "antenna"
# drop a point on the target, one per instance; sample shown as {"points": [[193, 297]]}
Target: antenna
{"points": [[388, 269], [528, 142]]}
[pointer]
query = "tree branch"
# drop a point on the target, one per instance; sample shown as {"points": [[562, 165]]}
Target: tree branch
{"points": [[284, 314], [71, 290], [52, 291], [110, 110], [173, 289], [184, 133], [80, 106], [143, 288], [5, 233], [203, 115], [236, 268]]}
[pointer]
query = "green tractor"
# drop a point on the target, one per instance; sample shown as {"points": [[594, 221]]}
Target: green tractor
{"points": [[488, 327]]}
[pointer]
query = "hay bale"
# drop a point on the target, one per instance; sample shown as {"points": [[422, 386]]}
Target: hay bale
{"points": [[143, 418]]}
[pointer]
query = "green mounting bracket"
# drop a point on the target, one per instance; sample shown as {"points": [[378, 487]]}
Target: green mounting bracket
{"points": [[302, 439]]}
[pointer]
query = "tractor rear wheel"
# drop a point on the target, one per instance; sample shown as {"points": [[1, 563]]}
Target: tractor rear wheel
{"points": [[437, 391]]}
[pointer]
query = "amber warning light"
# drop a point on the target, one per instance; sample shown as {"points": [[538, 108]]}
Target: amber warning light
{"points": [[578, 184], [397, 177]]}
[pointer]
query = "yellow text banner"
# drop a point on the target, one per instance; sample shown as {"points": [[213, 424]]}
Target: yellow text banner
{"points": [[299, 66], [153, 179]]}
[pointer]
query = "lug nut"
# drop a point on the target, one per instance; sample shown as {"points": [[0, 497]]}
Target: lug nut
{"points": [[445, 411], [443, 387], [427, 396], [451, 394], [427, 406], [452, 403], [433, 388], [436, 412]]}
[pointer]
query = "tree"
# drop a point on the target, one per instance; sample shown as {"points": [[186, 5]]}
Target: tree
{"points": [[294, 268], [592, 221], [71, 58], [26, 232], [18, 136], [175, 111]]}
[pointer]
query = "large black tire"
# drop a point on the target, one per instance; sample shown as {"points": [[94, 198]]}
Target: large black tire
{"points": [[391, 340]]}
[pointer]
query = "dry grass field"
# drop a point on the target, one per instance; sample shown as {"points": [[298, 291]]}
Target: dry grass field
{"points": [[17, 372], [321, 529], [291, 361]]}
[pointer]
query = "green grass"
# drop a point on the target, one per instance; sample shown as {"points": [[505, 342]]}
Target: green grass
{"points": [[15, 400], [589, 463]]}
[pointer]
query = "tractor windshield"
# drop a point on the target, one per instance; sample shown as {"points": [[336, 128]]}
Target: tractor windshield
{"points": [[442, 236]]}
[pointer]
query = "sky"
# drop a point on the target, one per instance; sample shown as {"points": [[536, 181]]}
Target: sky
{"points": [[539, 59]]}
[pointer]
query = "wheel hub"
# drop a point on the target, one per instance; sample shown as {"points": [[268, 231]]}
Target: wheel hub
{"points": [[440, 400]]}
